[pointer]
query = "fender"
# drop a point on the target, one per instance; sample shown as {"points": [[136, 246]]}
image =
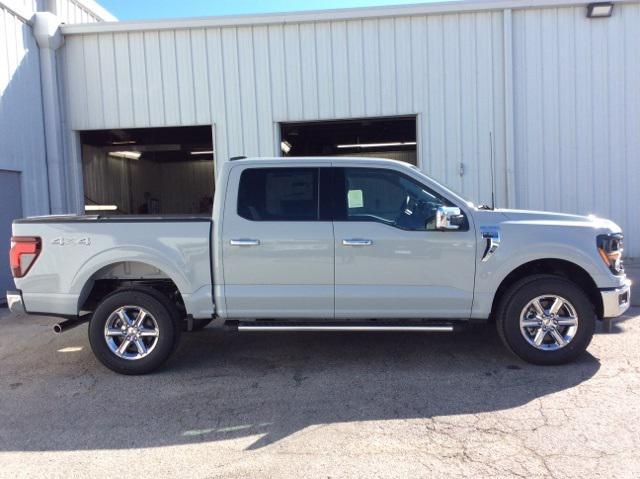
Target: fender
{"points": [[573, 246], [139, 254]]}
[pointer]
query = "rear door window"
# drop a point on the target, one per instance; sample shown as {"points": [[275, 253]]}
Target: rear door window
{"points": [[279, 194]]}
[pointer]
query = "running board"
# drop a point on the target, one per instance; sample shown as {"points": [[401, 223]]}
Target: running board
{"points": [[335, 328]]}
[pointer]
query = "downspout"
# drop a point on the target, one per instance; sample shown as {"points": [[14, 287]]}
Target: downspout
{"points": [[46, 30]]}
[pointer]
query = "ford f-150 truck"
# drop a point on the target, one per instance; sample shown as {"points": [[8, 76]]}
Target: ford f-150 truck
{"points": [[322, 244]]}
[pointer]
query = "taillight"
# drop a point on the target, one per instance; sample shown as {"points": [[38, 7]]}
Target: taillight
{"points": [[24, 252]]}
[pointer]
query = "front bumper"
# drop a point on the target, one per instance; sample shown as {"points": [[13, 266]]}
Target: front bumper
{"points": [[15, 303], [616, 301]]}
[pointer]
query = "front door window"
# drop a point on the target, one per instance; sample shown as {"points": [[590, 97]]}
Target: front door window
{"points": [[391, 198]]}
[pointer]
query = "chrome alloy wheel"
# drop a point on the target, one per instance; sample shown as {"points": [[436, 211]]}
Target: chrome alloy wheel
{"points": [[131, 332], [548, 322]]}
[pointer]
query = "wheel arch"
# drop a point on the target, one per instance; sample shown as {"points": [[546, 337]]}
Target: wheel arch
{"points": [[107, 278], [555, 266]]}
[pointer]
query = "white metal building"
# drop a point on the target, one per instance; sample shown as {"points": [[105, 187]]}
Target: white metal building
{"points": [[24, 169], [103, 113]]}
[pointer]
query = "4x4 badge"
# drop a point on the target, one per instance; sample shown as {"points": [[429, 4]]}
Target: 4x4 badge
{"points": [[60, 241]]}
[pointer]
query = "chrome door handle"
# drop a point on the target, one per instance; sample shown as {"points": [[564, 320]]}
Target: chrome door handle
{"points": [[356, 242], [244, 242]]}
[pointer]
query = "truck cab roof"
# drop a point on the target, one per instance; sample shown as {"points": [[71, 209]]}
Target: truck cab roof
{"points": [[335, 160]]}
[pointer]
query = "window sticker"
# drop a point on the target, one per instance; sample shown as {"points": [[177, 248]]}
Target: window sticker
{"points": [[354, 199]]}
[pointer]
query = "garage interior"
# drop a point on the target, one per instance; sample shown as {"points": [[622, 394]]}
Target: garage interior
{"points": [[148, 170], [391, 137]]}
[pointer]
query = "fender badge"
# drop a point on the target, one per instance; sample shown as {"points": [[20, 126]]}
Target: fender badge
{"points": [[61, 241], [492, 235]]}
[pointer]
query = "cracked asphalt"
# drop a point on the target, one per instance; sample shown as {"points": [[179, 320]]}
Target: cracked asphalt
{"points": [[319, 405]]}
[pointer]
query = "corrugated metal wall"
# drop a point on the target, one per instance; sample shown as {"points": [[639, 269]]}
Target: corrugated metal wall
{"points": [[70, 11], [577, 113], [560, 94], [23, 7], [446, 68], [22, 145]]}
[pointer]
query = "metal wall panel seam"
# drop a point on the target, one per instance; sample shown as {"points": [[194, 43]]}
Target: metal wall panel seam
{"points": [[509, 106]]}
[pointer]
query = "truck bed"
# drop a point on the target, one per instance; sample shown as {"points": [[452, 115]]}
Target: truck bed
{"points": [[77, 251]]}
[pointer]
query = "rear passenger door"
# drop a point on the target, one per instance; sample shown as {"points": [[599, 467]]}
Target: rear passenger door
{"points": [[278, 245]]}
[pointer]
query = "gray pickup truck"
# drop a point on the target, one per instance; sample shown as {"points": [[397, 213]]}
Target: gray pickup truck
{"points": [[322, 244]]}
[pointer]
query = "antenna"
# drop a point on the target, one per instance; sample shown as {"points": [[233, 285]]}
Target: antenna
{"points": [[493, 174]]}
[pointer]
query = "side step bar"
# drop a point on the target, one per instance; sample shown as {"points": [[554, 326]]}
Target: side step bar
{"points": [[299, 327]]}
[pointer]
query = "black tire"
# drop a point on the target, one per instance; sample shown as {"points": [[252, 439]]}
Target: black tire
{"points": [[164, 313], [520, 294]]}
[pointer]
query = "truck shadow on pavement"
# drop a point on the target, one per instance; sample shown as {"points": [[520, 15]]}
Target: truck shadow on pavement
{"points": [[262, 387]]}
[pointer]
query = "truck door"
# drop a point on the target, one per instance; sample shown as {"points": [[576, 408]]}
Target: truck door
{"points": [[390, 260], [278, 245]]}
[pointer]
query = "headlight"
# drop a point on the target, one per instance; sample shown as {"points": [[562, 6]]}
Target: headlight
{"points": [[610, 248]]}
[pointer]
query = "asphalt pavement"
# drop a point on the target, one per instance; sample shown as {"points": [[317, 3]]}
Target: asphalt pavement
{"points": [[318, 405]]}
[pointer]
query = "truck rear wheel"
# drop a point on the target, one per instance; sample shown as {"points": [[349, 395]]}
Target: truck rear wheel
{"points": [[546, 319], [134, 331]]}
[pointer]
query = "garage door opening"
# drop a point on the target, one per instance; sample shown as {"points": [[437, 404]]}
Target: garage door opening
{"points": [[148, 170], [393, 138]]}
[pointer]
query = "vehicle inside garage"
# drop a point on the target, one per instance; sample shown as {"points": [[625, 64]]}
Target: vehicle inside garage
{"points": [[148, 170], [390, 137]]}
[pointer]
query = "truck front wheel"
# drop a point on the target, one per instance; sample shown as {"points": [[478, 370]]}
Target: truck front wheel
{"points": [[546, 319], [134, 331]]}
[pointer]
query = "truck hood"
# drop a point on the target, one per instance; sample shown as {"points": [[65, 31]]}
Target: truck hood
{"points": [[547, 217]]}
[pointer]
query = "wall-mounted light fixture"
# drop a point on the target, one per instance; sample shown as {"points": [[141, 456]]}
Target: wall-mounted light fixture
{"points": [[599, 10]]}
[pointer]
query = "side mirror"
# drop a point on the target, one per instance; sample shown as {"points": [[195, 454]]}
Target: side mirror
{"points": [[449, 218]]}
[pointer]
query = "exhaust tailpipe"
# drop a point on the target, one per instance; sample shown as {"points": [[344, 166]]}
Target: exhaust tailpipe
{"points": [[67, 325]]}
